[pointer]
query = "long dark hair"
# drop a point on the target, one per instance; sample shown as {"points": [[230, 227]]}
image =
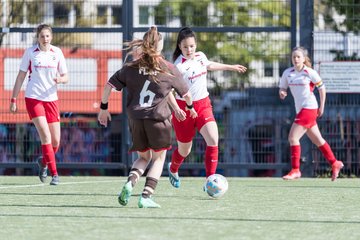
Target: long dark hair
{"points": [[184, 33]]}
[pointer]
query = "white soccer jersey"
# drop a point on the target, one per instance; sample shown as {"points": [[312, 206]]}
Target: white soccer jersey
{"points": [[194, 72], [43, 68], [302, 85]]}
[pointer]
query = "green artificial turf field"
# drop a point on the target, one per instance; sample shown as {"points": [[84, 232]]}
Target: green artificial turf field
{"points": [[253, 208]]}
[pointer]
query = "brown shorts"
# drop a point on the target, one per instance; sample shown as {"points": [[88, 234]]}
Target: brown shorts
{"points": [[150, 134]]}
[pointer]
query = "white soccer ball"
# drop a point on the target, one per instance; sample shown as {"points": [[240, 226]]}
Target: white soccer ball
{"points": [[216, 185]]}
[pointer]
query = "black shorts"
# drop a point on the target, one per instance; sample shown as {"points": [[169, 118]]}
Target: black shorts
{"points": [[149, 134]]}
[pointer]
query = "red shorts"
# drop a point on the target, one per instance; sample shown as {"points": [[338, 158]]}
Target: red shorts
{"points": [[186, 130], [306, 117], [36, 108]]}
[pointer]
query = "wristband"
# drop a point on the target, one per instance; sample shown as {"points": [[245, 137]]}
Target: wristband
{"points": [[13, 100], [103, 106], [190, 106]]}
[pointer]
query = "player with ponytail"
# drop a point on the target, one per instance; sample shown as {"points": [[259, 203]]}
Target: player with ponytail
{"points": [[149, 79], [301, 79]]}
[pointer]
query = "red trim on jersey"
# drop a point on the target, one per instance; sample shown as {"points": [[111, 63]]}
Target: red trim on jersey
{"points": [[112, 86], [37, 49], [312, 86], [155, 150], [29, 69], [183, 60]]}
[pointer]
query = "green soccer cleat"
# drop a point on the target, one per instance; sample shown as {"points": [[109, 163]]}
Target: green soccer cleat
{"points": [[173, 177], [147, 203], [125, 194]]}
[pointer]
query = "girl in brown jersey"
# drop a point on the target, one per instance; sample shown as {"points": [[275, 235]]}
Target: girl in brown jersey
{"points": [[149, 80]]}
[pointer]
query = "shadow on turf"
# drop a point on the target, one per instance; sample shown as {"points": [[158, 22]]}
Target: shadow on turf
{"points": [[100, 194], [10, 184], [59, 194], [182, 218], [55, 206], [292, 186]]}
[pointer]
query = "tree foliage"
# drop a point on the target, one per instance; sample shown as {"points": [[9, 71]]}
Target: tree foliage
{"points": [[341, 16], [236, 45], [33, 12], [348, 8], [231, 47]]}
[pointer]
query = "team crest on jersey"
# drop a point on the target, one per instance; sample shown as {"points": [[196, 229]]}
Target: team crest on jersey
{"points": [[37, 63]]}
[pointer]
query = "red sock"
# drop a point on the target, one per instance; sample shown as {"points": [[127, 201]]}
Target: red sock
{"points": [[55, 149], [295, 151], [49, 156], [211, 159], [328, 153], [176, 161]]}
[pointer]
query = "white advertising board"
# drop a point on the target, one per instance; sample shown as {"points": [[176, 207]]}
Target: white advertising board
{"points": [[341, 77]]}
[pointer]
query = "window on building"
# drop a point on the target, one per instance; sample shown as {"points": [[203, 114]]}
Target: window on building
{"points": [[109, 15], [25, 12], [16, 14], [61, 14], [268, 69], [283, 65], [116, 15], [161, 14], [101, 15], [35, 12], [144, 15]]}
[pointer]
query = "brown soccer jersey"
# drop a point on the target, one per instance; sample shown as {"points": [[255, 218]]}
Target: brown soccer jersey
{"points": [[146, 98]]}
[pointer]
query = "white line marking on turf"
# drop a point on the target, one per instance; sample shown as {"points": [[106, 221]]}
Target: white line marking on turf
{"points": [[22, 186], [63, 183]]}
